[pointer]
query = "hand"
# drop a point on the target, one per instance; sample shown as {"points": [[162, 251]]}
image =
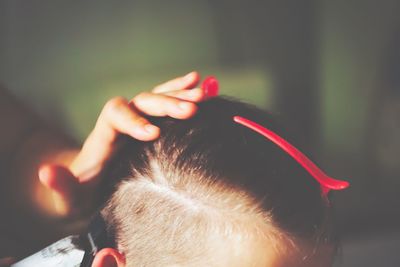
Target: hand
{"points": [[72, 183]]}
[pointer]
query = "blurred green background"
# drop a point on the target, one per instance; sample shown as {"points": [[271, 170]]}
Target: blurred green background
{"points": [[329, 69]]}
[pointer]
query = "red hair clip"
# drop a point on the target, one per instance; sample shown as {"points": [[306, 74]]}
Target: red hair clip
{"points": [[210, 87], [327, 183]]}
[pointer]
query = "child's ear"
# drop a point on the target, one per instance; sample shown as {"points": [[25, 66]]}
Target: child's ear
{"points": [[108, 257]]}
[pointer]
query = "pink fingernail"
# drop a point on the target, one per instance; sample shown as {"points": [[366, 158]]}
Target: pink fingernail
{"points": [[188, 77], [150, 128], [184, 105]]}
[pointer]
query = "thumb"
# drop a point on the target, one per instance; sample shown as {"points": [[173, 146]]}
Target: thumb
{"points": [[62, 183], [59, 179]]}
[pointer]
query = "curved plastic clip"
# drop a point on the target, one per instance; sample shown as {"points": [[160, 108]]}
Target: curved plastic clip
{"points": [[210, 87], [327, 183]]}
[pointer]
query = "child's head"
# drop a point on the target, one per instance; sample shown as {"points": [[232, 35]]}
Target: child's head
{"points": [[210, 192]]}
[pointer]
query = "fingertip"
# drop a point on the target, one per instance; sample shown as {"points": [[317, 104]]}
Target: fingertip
{"points": [[186, 110], [146, 132], [61, 188], [151, 129], [185, 106], [197, 94], [49, 180], [192, 78], [56, 177], [45, 173], [192, 110], [196, 75]]}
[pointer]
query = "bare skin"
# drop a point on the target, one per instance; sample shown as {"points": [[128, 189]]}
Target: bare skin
{"points": [[120, 116], [68, 174], [80, 171], [255, 251]]}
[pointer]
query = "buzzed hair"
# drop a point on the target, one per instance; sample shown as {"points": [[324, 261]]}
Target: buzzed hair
{"points": [[206, 184]]}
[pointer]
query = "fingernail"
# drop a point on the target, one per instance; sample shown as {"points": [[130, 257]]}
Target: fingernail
{"points": [[149, 128], [184, 105], [188, 77]]}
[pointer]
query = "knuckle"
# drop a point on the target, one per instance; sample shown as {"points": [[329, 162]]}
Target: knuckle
{"points": [[114, 104]]}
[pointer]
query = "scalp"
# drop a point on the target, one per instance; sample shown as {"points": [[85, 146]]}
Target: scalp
{"points": [[159, 223], [209, 186]]}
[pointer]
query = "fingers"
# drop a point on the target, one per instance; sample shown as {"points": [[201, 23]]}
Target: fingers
{"points": [[70, 196], [119, 117], [181, 83], [172, 99], [163, 105], [116, 118], [62, 182], [57, 178], [122, 117], [193, 95]]}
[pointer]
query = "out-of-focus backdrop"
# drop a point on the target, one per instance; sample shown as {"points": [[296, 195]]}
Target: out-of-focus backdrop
{"points": [[329, 69]]}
